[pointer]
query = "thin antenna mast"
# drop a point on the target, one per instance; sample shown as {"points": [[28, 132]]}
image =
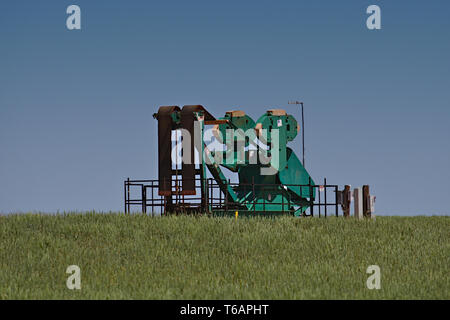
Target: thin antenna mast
{"points": [[303, 129]]}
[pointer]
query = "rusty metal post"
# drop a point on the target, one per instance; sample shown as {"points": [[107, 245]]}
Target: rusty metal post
{"points": [[144, 198], [346, 200], [366, 202]]}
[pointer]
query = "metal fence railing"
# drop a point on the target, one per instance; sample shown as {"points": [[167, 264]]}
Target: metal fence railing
{"points": [[211, 197]]}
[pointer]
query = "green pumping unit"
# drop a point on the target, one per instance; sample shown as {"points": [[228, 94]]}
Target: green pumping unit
{"points": [[271, 178]]}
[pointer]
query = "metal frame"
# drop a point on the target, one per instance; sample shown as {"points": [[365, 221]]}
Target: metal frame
{"points": [[144, 194]]}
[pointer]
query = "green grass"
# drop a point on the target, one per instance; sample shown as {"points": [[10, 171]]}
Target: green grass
{"points": [[182, 257]]}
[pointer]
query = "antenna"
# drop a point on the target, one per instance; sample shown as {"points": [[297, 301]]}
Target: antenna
{"points": [[303, 129]]}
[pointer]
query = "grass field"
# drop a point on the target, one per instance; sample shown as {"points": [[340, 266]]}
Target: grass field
{"points": [[182, 257]]}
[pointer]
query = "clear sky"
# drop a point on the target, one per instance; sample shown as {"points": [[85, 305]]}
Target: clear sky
{"points": [[76, 106]]}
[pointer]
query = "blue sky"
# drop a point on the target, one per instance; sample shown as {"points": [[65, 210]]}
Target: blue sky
{"points": [[76, 106]]}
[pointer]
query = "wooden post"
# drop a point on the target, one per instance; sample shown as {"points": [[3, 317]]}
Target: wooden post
{"points": [[357, 195], [366, 202], [346, 200]]}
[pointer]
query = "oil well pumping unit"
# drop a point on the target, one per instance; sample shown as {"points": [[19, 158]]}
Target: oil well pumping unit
{"points": [[194, 149]]}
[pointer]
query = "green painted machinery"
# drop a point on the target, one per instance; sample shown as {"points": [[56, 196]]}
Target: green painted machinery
{"points": [[271, 179]]}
